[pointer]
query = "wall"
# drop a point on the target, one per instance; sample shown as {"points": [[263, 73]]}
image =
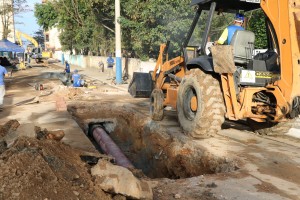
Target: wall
{"points": [[134, 65], [53, 42], [53, 33]]}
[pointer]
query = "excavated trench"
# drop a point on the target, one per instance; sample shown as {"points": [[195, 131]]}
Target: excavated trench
{"points": [[157, 150], [56, 75]]}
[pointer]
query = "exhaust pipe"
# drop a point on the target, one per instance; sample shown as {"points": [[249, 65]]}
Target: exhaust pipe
{"points": [[109, 146], [176, 78]]}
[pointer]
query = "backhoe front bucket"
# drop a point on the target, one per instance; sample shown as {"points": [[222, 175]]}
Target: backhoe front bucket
{"points": [[141, 85]]}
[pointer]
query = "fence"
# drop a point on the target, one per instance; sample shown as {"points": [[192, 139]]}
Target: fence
{"points": [[133, 65]]}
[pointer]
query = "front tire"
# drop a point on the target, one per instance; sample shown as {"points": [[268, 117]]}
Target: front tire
{"points": [[200, 104]]}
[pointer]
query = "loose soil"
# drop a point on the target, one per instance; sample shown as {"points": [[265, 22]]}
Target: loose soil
{"points": [[45, 169]]}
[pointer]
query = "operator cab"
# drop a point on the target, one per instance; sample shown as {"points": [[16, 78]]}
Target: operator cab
{"points": [[265, 66]]}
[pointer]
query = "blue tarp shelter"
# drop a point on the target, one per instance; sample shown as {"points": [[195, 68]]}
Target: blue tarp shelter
{"points": [[6, 45]]}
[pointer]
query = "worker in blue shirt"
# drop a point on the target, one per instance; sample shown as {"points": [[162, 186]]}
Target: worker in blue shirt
{"points": [[110, 65], [76, 79], [3, 73], [230, 30], [68, 71]]}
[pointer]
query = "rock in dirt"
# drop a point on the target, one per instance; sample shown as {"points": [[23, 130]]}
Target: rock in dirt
{"points": [[212, 185], [8, 127], [74, 93], [9, 131], [3, 146], [119, 180], [27, 130], [119, 197], [12, 130], [45, 134], [55, 135], [76, 193]]}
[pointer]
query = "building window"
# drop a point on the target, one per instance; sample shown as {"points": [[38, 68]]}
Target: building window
{"points": [[47, 38]]}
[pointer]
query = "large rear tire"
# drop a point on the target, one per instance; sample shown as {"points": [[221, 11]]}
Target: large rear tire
{"points": [[200, 104], [156, 105]]}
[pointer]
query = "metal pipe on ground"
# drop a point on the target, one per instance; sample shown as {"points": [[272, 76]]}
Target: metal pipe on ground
{"points": [[109, 146]]}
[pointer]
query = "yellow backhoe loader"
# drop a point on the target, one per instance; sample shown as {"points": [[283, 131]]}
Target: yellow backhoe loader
{"points": [[36, 52], [231, 82]]}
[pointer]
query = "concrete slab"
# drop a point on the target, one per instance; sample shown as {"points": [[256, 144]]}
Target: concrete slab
{"points": [[293, 132]]}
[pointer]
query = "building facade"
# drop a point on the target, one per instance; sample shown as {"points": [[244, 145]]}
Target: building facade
{"points": [[52, 37]]}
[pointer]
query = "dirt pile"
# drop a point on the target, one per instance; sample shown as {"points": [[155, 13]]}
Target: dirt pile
{"points": [[74, 93], [8, 127], [44, 169], [55, 88]]}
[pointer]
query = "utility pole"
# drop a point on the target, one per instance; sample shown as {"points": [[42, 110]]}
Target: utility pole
{"points": [[118, 43], [13, 19]]}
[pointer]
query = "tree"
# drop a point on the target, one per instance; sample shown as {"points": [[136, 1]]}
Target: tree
{"points": [[257, 24], [76, 21], [147, 24], [39, 37], [85, 24], [46, 15], [9, 8], [88, 25]]}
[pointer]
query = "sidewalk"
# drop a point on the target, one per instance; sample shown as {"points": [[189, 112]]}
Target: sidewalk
{"points": [[95, 74]]}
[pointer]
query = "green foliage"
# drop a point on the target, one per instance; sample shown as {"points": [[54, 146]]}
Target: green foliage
{"points": [[257, 25], [88, 25], [39, 37], [83, 23], [46, 15], [220, 22], [146, 24]]}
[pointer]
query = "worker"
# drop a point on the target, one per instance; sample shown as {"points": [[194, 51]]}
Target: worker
{"points": [[76, 79], [28, 60], [3, 73], [101, 66], [110, 65], [68, 71], [230, 30]]}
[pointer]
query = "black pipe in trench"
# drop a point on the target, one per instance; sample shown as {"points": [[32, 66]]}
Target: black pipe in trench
{"points": [[109, 146]]}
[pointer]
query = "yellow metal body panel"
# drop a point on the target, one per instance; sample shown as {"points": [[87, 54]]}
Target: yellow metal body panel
{"points": [[171, 97], [285, 19], [47, 54], [170, 88]]}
